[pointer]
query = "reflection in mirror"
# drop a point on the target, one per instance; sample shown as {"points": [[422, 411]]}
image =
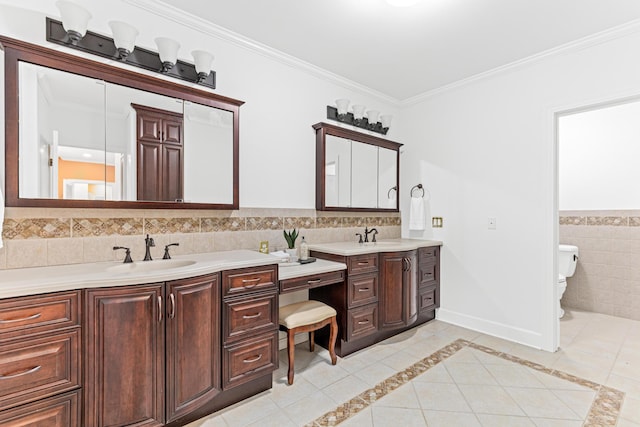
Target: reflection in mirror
{"points": [[355, 171], [209, 154], [61, 135], [364, 175], [387, 176], [85, 139], [338, 171]]}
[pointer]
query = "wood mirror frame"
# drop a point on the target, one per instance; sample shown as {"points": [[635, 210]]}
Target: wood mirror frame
{"points": [[16, 51], [324, 129]]}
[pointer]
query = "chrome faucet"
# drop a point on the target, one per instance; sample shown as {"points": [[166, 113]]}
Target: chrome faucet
{"points": [[367, 232], [148, 242]]}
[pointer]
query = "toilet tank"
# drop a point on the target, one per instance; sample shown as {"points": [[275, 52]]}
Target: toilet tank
{"points": [[567, 259]]}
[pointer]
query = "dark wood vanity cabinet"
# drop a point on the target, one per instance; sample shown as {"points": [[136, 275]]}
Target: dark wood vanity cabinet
{"points": [[249, 324], [152, 351], [384, 294], [40, 360], [398, 289]]}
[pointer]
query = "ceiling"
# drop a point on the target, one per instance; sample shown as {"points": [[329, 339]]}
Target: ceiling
{"points": [[405, 52]]}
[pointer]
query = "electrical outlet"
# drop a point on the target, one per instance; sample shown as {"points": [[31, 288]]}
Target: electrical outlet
{"points": [[492, 223]]}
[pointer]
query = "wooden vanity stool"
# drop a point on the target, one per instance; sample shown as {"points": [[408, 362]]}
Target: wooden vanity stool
{"points": [[307, 316]]}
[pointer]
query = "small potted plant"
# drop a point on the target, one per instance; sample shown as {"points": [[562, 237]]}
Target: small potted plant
{"points": [[290, 237]]}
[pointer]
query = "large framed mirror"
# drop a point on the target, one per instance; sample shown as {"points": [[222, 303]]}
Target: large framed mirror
{"points": [[355, 171], [85, 134]]}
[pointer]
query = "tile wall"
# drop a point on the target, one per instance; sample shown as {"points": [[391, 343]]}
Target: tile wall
{"points": [[36, 237], [607, 278]]}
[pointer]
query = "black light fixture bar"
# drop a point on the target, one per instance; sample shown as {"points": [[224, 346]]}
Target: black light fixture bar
{"points": [[103, 46], [363, 123]]}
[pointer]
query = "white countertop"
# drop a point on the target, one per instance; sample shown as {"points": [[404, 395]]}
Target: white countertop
{"points": [[295, 269], [386, 245], [38, 280]]}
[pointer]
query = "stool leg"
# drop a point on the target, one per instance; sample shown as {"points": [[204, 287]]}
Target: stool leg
{"points": [[291, 346], [333, 334], [312, 341]]}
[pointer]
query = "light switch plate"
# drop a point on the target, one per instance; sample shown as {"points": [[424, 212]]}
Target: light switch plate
{"points": [[492, 224]]}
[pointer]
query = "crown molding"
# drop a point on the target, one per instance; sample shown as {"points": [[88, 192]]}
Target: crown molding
{"points": [[174, 14], [573, 46]]}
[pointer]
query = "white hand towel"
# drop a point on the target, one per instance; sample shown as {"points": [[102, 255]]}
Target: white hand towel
{"points": [[416, 214], [1, 215]]}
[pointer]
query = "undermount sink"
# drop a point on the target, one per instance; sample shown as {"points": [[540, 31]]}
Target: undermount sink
{"points": [[144, 266]]}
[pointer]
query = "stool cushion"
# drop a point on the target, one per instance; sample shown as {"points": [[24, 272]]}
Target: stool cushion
{"points": [[304, 313]]}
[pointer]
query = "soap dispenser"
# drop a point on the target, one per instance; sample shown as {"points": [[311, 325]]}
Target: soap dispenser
{"points": [[304, 250]]}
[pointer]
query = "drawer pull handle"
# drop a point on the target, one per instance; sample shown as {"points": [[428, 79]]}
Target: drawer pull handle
{"points": [[159, 309], [363, 322], [313, 282], [252, 316], [252, 282], [32, 317], [255, 359], [363, 263], [19, 374], [363, 289]]}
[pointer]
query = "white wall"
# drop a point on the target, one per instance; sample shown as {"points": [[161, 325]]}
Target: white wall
{"points": [[277, 142], [487, 150], [598, 159]]}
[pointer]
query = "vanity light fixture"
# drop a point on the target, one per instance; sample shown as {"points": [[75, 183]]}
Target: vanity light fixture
{"points": [[124, 37], [343, 105], [168, 51], [72, 32], [357, 117], [203, 60], [75, 19]]}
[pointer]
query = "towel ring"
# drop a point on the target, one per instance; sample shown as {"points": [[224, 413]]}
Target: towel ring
{"points": [[418, 187], [390, 190]]}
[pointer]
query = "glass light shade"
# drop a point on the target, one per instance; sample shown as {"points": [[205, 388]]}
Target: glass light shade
{"points": [[75, 18], [168, 49], [203, 60], [124, 35], [358, 111], [372, 116], [386, 120], [342, 105]]}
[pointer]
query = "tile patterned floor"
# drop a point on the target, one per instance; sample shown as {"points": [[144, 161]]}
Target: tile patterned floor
{"points": [[442, 375]]}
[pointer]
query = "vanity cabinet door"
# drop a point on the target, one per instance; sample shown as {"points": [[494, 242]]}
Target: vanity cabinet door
{"points": [[193, 343], [398, 289], [124, 369]]}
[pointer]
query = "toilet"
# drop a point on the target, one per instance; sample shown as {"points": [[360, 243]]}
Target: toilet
{"points": [[567, 260]]}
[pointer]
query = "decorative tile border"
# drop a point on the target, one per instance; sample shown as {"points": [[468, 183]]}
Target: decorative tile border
{"points": [[46, 228], [604, 411], [606, 221]]}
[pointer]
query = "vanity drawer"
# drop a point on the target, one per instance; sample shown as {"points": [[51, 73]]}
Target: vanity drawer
{"points": [[33, 314], [428, 298], [427, 272], [58, 411], [313, 281], [362, 321], [362, 289], [249, 359], [367, 263], [429, 252], [246, 316], [39, 367], [249, 279]]}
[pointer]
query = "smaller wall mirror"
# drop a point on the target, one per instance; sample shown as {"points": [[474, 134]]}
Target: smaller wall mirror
{"points": [[355, 171]]}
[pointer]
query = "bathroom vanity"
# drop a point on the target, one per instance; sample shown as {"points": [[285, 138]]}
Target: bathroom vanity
{"points": [[389, 287], [167, 342]]}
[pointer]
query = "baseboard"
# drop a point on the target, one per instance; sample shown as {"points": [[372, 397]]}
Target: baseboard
{"points": [[489, 327]]}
